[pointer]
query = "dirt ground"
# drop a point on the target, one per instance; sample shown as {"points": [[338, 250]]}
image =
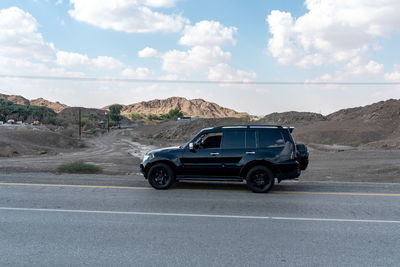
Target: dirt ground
{"points": [[120, 153]]}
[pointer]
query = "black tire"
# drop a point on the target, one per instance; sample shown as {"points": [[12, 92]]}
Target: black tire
{"points": [[260, 179], [161, 176]]}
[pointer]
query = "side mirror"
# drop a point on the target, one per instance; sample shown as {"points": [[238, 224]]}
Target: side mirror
{"points": [[191, 146]]}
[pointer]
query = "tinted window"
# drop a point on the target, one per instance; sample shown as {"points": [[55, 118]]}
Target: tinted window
{"points": [[270, 138], [234, 139], [286, 135], [211, 140], [250, 139]]}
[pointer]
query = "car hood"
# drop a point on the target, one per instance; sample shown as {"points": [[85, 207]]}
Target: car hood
{"points": [[166, 149]]}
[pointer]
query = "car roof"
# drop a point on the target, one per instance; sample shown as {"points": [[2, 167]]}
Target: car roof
{"points": [[227, 127]]}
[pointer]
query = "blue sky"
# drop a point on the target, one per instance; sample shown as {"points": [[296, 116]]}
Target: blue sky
{"points": [[312, 40]]}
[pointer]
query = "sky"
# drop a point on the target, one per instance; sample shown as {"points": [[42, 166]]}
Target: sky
{"points": [[186, 40]]}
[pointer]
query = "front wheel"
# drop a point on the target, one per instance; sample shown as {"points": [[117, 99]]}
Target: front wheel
{"points": [[260, 179], [161, 176]]}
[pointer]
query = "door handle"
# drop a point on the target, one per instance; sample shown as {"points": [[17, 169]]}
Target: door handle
{"points": [[214, 154], [250, 152]]}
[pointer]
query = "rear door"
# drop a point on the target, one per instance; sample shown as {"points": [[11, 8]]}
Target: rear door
{"points": [[238, 146], [273, 145]]}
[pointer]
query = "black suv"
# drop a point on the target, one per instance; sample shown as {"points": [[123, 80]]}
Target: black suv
{"points": [[257, 154]]}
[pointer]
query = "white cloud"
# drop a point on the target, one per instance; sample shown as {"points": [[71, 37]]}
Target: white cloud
{"points": [[281, 45], [331, 31], [224, 72], [357, 66], [19, 36], [106, 62], [71, 60], [393, 76], [138, 73], [208, 33], [22, 47], [160, 3], [128, 15], [148, 52], [205, 57], [196, 59]]}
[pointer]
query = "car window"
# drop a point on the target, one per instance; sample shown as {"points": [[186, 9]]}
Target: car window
{"points": [[270, 138], [210, 140], [250, 139], [234, 139]]}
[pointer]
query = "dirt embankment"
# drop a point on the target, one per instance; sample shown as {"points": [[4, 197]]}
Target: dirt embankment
{"points": [[34, 140], [120, 153]]}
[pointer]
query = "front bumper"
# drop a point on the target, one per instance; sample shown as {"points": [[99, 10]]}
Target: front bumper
{"points": [[143, 170]]}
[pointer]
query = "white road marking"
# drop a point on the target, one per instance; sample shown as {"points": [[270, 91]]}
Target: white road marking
{"points": [[201, 215]]}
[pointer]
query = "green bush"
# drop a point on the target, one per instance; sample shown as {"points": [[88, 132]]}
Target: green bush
{"points": [[136, 116], [25, 113], [79, 167], [244, 116]]}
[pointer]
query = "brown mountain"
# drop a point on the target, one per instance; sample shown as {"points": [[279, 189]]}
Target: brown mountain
{"points": [[16, 99], [56, 106], [20, 100], [192, 108], [292, 118], [376, 125]]}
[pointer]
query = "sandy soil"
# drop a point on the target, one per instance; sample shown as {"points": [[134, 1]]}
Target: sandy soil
{"points": [[120, 152], [116, 153]]}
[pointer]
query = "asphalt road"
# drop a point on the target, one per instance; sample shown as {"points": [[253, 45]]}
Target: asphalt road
{"points": [[298, 224]]}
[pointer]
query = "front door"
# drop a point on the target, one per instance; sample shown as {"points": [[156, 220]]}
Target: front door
{"points": [[205, 160]]}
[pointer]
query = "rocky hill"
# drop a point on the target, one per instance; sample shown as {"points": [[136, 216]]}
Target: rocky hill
{"points": [[192, 108], [56, 106], [375, 125], [16, 99], [292, 118], [20, 100]]}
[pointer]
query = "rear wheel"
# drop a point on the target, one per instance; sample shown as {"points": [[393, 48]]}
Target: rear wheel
{"points": [[161, 176], [260, 179]]}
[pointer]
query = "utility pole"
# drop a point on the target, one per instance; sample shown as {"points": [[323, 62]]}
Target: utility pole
{"points": [[80, 122], [108, 121]]}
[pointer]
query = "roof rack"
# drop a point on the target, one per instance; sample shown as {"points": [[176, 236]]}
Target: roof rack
{"points": [[252, 126], [249, 126]]}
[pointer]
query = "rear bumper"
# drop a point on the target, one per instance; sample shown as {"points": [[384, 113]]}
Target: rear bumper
{"points": [[286, 171]]}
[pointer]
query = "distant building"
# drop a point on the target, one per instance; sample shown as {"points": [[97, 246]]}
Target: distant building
{"points": [[184, 118]]}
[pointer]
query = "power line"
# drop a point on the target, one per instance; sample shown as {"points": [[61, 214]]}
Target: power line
{"points": [[94, 79]]}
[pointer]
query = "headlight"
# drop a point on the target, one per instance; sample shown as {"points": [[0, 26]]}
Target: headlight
{"points": [[148, 156]]}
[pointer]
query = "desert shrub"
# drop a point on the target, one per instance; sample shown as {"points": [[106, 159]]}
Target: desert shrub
{"points": [[173, 114], [70, 131], [244, 116], [154, 117], [79, 167], [136, 116]]}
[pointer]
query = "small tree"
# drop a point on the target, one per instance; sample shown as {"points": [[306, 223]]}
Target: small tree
{"points": [[244, 116], [115, 113], [173, 114]]}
